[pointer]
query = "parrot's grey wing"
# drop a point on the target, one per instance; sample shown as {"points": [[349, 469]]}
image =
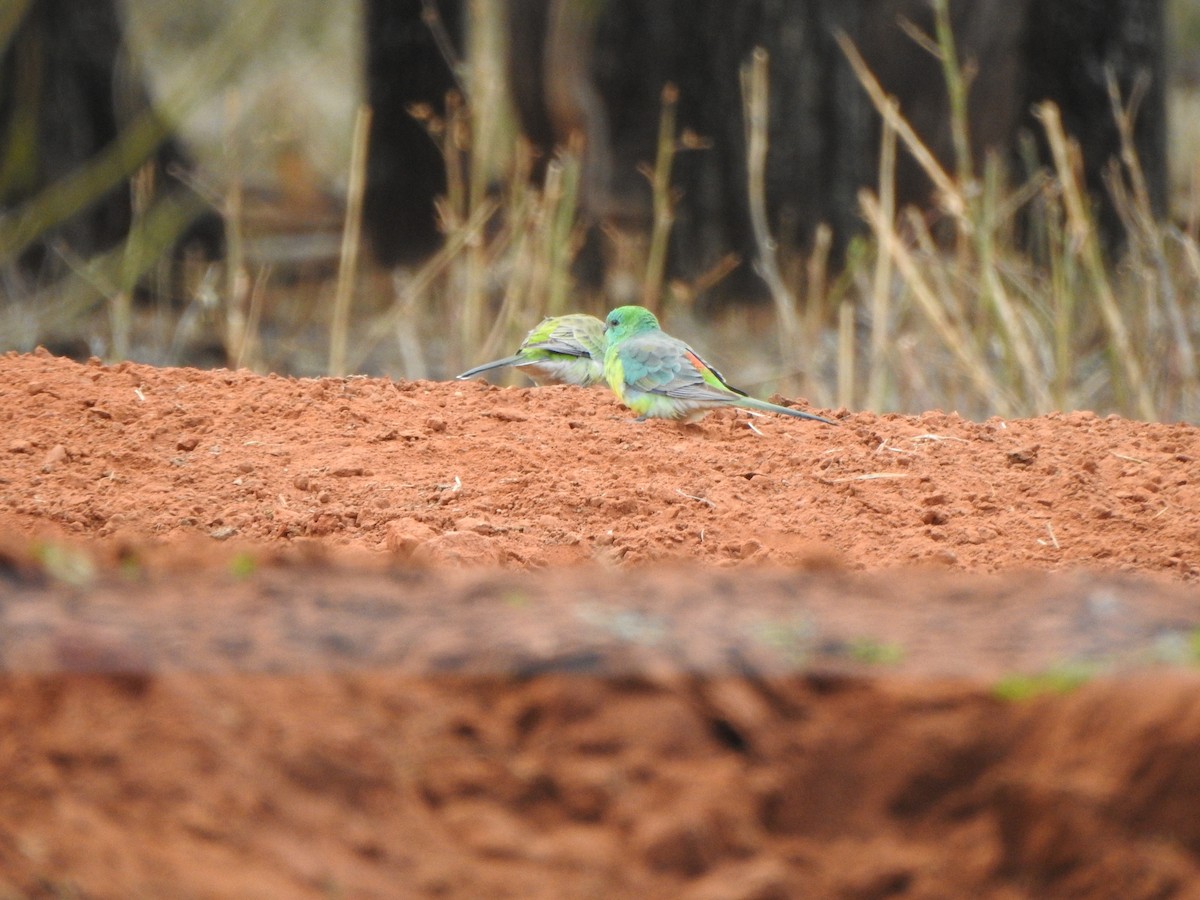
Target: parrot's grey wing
{"points": [[566, 345], [660, 364]]}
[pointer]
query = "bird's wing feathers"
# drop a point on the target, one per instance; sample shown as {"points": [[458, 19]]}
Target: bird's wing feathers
{"points": [[575, 335], [564, 344], [660, 364], [649, 363], [588, 332], [714, 375]]}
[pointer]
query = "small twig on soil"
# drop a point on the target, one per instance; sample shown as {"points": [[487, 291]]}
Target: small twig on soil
{"points": [[938, 437], [884, 446], [1131, 459], [752, 427], [874, 476], [1053, 539], [703, 500]]}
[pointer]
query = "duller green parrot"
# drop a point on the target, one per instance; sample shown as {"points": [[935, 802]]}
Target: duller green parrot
{"points": [[560, 350], [660, 377]]}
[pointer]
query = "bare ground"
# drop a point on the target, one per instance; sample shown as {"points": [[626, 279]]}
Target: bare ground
{"points": [[355, 638]]}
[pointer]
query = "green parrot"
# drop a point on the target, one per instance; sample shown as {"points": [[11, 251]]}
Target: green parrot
{"points": [[661, 377], [560, 350]]}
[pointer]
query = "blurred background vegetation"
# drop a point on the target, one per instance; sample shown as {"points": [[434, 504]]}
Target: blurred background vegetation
{"points": [[253, 256]]}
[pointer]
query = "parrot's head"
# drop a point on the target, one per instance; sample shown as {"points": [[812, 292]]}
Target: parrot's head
{"points": [[625, 321]]}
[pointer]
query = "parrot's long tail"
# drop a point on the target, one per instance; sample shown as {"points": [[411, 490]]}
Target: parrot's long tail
{"points": [[487, 367], [752, 403]]}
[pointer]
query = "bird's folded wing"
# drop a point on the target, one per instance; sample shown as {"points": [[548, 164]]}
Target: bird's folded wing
{"points": [[664, 366], [588, 333], [565, 345], [711, 376]]}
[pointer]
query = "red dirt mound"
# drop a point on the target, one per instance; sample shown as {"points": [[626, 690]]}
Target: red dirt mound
{"points": [[349, 637]]}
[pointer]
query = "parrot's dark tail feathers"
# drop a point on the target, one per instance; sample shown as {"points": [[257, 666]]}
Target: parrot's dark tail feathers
{"points": [[487, 367], [754, 403]]}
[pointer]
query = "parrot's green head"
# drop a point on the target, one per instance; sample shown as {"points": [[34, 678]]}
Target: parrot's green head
{"points": [[625, 321]]}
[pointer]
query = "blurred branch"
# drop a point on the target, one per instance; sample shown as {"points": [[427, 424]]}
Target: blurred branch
{"points": [[437, 28], [11, 14], [119, 269], [664, 201], [948, 191], [208, 67], [756, 111]]}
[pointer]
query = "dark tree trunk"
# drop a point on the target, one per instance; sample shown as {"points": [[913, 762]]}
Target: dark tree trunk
{"points": [[598, 67], [57, 109], [405, 169], [988, 35], [824, 135], [64, 98], [1071, 47]]}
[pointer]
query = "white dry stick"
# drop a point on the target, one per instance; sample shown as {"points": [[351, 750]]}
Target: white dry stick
{"points": [[938, 437], [703, 500], [1131, 459], [874, 476], [1053, 537]]}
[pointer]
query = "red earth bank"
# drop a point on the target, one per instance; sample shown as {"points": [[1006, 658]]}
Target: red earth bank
{"points": [[349, 637]]}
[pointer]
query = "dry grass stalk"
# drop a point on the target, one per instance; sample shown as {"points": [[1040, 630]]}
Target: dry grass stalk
{"points": [[949, 195], [952, 336], [881, 287], [246, 353], [407, 310], [351, 242], [1085, 244], [565, 236], [663, 200], [846, 355], [755, 109]]}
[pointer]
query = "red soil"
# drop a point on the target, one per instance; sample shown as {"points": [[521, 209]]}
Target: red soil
{"points": [[288, 638]]}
